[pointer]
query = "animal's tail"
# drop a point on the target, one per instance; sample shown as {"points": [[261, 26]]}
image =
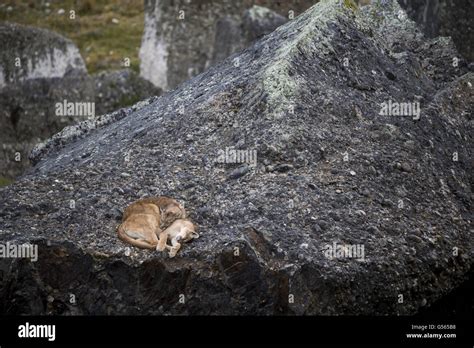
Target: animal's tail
{"points": [[135, 242]]}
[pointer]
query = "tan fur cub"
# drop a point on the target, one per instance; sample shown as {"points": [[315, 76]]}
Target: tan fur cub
{"points": [[144, 219], [180, 231]]}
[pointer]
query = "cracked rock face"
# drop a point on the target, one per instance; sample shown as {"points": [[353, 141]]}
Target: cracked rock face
{"points": [[309, 199]]}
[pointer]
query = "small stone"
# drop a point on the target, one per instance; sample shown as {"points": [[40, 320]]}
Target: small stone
{"points": [[352, 173], [118, 190], [283, 168], [414, 239], [61, 11], [125, 175], [409, 144], [115, 21], [386, 203], [373, 230], [128, 251], [323, 224], [406, 167], [270, 168], [239, 172]]}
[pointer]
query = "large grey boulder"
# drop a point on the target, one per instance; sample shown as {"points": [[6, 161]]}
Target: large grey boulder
{"points": [[179, 36], [319, 168], [38, 69], [32, 53]]}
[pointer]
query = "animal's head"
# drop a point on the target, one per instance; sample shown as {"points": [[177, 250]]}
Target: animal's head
{"points": [[172, 213], [188, 236]]}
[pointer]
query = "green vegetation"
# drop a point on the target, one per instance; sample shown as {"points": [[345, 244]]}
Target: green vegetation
{"points": [[4, 181], [128, 100], [106, 31], [351, 4]]}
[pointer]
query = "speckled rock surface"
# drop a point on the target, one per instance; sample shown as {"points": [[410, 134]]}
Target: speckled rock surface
{"points": [[328, 169]]}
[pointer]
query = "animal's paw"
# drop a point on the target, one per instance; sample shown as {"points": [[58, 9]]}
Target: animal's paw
{"points": [[160, 248], [173, 252]]}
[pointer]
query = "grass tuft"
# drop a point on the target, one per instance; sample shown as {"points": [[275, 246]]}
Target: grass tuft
{"points": [[104, 45]]}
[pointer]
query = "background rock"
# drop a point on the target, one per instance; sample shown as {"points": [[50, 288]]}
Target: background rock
{"points": [[234, 35], [51, 72], [174, 50], [117, 89], [330, 169], [28, 115], [40, 53], [445, 18], [38, 68]]}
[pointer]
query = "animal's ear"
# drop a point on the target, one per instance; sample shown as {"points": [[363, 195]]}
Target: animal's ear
{"points": [[195, 235]]}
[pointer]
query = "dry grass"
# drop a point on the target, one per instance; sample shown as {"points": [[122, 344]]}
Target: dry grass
{"points": [[103, 44]]}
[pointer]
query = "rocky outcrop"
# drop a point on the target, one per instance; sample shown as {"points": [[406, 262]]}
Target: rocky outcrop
{"points": [[445, 18], [179, 36], [317, 186], [117, 89]]}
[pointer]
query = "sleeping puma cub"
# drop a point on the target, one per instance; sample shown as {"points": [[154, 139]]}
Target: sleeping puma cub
{"points": [[182, 230], [144, 219], [170, 209]]}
